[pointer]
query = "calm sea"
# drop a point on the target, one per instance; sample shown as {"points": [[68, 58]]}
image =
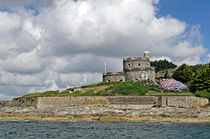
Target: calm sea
{"points": [[103, 130]]}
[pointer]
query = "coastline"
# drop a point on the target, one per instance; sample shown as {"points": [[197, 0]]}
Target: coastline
{"points": [[103, 118], [106, 114]]}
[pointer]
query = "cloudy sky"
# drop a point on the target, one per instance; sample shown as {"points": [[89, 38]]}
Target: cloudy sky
{"points": [[51, 44]]}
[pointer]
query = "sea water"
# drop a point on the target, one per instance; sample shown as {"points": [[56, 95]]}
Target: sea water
{"points": [[103, 130]]}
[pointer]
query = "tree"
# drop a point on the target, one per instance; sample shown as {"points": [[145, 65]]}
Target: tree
{"points": [[162, 65], [166, 74], [201, 81], [197, 68], [183, 73]]}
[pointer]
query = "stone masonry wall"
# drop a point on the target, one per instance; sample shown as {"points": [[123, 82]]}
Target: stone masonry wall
{"points": [[183, 101], [54, 102], [136, 76], [140, 64], [172, 101], [113, 78]]}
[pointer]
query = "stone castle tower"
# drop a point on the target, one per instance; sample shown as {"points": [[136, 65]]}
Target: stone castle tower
{"points": [[134, 69]]}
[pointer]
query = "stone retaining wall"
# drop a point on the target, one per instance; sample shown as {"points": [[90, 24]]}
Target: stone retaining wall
{"points": [[183, 101], [54, 102], [172, 101]]}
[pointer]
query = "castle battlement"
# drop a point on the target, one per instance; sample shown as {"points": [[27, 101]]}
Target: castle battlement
{"points": [[133, 59], [114, 73]]}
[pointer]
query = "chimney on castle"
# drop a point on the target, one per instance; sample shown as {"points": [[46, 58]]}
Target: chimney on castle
{"points": [[146, 55]]}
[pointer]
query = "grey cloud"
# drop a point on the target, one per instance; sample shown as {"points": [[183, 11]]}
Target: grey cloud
{"points": [[85, 63], [15, 4]]}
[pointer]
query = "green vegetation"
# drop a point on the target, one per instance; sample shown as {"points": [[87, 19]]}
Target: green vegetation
{"points": [[95, 85], [106, 89], [162, 65], [183, 73], [197, 78], [201, 81], [200, 84], [198, 67], [154, 93], [130, 88], [203, 93]]}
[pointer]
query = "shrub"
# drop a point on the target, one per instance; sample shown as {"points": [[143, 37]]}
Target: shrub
{"points": [[203, 93]]}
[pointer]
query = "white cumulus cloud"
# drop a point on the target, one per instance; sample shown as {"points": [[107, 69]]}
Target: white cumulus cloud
{"points": [[67, 42]]}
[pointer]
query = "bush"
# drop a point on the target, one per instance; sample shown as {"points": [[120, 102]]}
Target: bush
{"points": [[203, 93], [183, 73]]}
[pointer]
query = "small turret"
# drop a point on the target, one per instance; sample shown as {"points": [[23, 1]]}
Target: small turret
{"points": [[146, 55]]}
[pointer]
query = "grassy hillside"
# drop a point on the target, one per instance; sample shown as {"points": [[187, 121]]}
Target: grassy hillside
{"points": [[108, 89]]}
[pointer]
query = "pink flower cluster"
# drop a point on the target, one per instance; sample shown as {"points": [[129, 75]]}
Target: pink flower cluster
{"points": [[172, 85]]}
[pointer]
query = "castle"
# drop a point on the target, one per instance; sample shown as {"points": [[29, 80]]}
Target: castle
{"points": [[134, 69]]}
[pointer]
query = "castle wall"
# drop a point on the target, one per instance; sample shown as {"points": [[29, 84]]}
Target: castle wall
{"points": [[56, 102], [151, 74], [113, 77], [130, 64], [136, 76], [122, 101], [183, 101]]}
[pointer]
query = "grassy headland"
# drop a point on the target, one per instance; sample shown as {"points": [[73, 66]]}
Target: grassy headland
{"points": [[110, 89]]}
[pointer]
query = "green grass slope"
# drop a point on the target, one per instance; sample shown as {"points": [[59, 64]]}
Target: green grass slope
{"points": [[109, 89]]}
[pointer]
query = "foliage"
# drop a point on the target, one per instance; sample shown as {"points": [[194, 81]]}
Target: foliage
{"points": [[203, 93], [183, 73], [201, 80], [197, 68], [166, 74], [162, 65]]}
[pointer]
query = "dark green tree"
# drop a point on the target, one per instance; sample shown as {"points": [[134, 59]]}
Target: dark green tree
{"points": [[201, 81], [197, 68], [162, 65], [183, 73], [166, 74]]}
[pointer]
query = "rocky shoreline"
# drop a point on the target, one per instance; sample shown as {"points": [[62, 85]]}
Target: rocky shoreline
{"points": [[106, 113]]}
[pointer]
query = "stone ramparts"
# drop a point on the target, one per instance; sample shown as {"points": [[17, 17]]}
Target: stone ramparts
{"points": [[171, 101], [183, 101], [134, 59], [114, 73], [54, 102]]}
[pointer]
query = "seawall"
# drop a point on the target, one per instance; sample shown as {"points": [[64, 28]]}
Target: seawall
{"points": [[129, 102]]}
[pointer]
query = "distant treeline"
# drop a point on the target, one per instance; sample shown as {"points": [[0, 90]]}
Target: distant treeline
{"points": [[162, 65]]}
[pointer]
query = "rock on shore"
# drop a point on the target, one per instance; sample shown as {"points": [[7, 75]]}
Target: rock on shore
{"points": [[106, 113]]}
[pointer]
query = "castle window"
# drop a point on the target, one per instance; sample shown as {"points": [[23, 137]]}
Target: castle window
{"points": [[129, 65], [139, 64]]}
